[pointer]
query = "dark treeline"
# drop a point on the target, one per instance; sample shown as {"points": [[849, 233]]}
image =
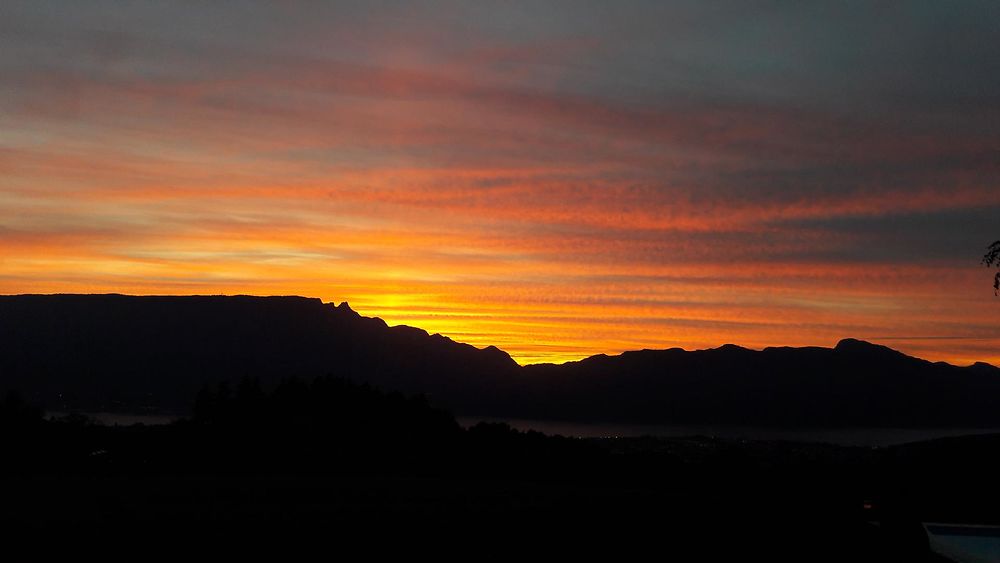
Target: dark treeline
{"points": [[339, 461], [327, 424]]}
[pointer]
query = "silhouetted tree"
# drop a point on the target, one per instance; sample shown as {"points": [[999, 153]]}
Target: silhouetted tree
{"points": [[15, 412], [992, 258]]}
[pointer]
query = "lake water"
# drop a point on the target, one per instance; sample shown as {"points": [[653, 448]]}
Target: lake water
{"points": [[839, 436], [121, 419]]}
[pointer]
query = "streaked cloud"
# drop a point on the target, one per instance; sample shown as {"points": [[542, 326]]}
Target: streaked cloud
{"points": [[559, 180]]}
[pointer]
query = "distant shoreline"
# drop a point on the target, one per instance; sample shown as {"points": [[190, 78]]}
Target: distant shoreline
{"points": [[865, 437], [120, 419], [858, 437]]}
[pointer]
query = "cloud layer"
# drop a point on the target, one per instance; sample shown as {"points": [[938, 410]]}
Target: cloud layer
{"points": [[559, 181]]}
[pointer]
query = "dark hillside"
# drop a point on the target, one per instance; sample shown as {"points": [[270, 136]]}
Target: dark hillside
{"points": [[147, 354]]}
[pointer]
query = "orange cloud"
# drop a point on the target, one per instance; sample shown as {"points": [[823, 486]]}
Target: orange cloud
{"points": [[554, 224]]}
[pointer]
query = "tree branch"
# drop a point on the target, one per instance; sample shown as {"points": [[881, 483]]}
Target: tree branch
{"points": [[992, 257]]}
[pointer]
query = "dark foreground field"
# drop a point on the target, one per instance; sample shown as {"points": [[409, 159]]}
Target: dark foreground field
{"points": [[323, 469]]}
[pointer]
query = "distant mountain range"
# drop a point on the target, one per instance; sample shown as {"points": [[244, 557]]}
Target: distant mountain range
{"points": [[153, 354]]}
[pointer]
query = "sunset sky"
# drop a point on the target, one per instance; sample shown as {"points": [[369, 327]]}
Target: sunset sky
{"points": [[558, 179]]}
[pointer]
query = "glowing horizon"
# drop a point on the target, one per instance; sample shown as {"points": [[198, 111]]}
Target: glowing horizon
{"points": [[558, 181]]}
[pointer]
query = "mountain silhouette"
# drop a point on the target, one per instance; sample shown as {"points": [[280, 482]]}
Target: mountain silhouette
{"points": [[854, 384], [112, 352], [127, 353]]}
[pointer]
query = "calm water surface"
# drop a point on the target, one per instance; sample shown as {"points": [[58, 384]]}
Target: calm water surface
{"points": [[121, 419], [839, 436]]}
